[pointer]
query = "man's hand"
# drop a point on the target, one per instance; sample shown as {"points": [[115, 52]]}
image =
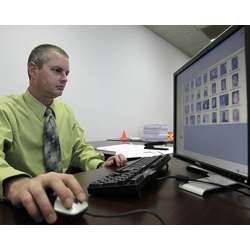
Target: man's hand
{"points": [[115, 161], [30, 192]]}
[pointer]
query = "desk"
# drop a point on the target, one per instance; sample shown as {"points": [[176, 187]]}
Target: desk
{"points": [[175, 206]]}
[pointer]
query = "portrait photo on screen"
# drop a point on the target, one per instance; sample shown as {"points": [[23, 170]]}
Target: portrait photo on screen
{"points": [[235, 97], [205, 105], [223, 68], [198, 119], [213, 74], [205, 92], [234, 63], [214, 117], [224, 116], [198, 82], [198, 94], [192, 119], [205, 78], [205, 118], [213, 88], [236, 115], [198, 107], [192, 108], [235, 80], [224, 100], [214, 102], [223, 84]]}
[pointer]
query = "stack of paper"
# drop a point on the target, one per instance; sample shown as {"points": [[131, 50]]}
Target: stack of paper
{"points": [[155, 132]]}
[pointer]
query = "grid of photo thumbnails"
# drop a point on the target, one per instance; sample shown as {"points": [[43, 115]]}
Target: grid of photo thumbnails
{"points": [[214, 96]]}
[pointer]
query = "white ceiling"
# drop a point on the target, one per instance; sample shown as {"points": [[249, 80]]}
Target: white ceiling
{"points": [[188, 38]]}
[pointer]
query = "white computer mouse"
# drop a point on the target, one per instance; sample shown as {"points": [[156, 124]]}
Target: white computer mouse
{"points": [[76, 208]]}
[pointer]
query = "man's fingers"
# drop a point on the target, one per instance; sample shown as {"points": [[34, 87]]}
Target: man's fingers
{"points": [[123, 159], [39, 195], [65, 186], [31, 207], [62, 191], [71, 182]]}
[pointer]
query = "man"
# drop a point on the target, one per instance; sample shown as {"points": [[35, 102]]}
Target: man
{"points": [[40, 140]]}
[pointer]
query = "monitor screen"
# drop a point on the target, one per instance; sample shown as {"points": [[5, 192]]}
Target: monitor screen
{"points": [[211, 108]]}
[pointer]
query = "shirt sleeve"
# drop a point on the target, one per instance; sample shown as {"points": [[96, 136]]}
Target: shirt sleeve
{"points": [[84, 155], [6, 139]]}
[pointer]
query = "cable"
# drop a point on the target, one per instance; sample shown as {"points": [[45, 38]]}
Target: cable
{"points": [[187, 179], [136, 211]]}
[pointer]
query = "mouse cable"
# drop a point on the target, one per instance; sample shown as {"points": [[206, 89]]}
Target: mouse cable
{"points": [[136, 211], [187, 179]]}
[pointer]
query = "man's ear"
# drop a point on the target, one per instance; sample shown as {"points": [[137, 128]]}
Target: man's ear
{"points": [[32, 69]]}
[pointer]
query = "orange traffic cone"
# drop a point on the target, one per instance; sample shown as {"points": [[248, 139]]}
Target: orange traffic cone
{"points": [[124, 136]]}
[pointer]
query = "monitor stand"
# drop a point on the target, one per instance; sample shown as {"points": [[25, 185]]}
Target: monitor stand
{"points": [[203, 188]]}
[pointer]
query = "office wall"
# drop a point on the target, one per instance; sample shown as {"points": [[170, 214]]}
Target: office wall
{"points": [[121, 76]]}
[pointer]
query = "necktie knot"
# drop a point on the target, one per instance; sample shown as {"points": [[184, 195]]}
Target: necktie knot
{"points": [[48, 112]]}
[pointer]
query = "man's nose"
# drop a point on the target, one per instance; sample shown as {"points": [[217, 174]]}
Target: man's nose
{"points": [[64, 78]]}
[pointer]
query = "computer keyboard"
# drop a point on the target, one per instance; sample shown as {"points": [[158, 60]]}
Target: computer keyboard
{"points": [[131, 178]]}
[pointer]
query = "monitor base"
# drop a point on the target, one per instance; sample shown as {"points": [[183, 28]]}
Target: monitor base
{"points": [[201, 189]]}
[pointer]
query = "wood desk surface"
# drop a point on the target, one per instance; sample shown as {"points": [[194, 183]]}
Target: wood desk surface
{"points": [[175, 206]]}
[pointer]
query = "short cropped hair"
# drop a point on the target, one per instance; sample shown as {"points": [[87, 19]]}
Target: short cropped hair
{"points": [[39, 54]]}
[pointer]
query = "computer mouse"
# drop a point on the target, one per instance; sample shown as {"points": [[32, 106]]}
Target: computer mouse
{"points": [[76, 208]]}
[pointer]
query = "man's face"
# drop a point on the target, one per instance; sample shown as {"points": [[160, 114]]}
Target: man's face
{"points": [[51, 79]]}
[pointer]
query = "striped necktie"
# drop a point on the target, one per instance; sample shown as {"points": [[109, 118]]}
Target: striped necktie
{"points": [[51, 145]]}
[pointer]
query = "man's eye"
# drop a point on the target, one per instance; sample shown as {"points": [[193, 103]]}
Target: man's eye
{"points": [[57, 70]]}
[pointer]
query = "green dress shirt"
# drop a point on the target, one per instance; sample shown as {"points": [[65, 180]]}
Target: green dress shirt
{"points": [[21, 143]]}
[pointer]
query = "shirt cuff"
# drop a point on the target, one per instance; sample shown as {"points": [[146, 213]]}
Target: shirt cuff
{"points": [[94, 164], [7, 173]]}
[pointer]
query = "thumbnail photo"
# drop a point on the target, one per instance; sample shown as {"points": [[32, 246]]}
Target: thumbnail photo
{"points": [[234, 63], [198, 119], [192, 119], [214, 103], [198, 94], [205, 105], [205, 78], [198, 81], [213, 88], [192, 108], [223, 84], [214, 117], [205, 118], [223, 68], [236, 115], [235, 80], [224, 100], [224, 116], [205, 92], [236, 97], [213, 74], [198, 107]]}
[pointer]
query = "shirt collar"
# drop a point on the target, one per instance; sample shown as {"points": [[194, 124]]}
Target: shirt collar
{"points": [[37, 107]]}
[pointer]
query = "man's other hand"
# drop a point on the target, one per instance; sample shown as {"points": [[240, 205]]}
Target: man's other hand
{"points": [[30, 192], [115, 161]]}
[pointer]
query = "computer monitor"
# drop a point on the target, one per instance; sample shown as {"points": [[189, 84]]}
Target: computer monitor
{"points": [[211, 108]]}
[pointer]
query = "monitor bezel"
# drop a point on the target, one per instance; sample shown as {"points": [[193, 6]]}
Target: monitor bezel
{"points": [[231, 30]]}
